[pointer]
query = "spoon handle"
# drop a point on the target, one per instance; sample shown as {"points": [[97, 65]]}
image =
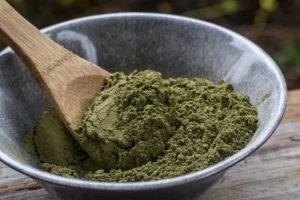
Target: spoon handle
{"points": [[67, 80], [37, 51]]}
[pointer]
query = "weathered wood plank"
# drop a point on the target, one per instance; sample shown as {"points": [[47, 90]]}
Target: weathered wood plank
{"points": [[293, 107], [8, 177], [272, 173], [14, 185], [38, 194]]}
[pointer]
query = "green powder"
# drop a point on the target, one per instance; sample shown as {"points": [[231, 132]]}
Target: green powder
{"points": [[52, 143], [29, 144], [130, 122], [142, 127], [56, 148], [60, 170]]}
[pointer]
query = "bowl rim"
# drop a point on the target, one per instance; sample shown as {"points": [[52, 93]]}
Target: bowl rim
{"points": [[262, 137]]}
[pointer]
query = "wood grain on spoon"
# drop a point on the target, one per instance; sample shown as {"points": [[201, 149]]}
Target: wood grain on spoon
{"points": [[67, 80]]}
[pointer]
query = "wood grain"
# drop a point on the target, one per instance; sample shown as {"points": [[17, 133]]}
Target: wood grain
{"points": [[293, 107], [272, 173]]}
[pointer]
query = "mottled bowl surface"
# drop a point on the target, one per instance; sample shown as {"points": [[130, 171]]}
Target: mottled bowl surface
{"points": [[175, 46]]}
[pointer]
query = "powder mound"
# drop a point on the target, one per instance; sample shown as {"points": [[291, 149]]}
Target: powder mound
{"points": [[144, 128], [29, 144], [52, 144], [214, 123], [60, 171], [129, 122]]}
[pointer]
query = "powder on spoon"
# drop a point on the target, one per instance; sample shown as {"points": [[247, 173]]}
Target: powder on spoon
{"points": [[143, 127], [129, 122]]}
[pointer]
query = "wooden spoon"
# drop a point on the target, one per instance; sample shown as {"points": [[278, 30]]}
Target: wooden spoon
{"points": [[67, 80]]}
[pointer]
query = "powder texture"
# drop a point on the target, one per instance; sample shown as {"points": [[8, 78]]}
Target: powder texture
{"points": [[130, 121], [52, 144], [59, 170], [29, 144], [57, 149], [143, 127]]}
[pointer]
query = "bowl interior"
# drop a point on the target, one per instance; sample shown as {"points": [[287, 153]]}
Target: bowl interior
{"points": [[177, 47]]}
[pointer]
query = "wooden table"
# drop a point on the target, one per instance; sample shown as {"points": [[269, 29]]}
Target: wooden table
{"points": [[272, 173]]}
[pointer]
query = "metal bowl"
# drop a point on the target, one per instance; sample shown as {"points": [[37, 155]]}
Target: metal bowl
{"points": [[175, 46]]}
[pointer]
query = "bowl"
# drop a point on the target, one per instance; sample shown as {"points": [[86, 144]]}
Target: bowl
{"points": [[175, 46]]}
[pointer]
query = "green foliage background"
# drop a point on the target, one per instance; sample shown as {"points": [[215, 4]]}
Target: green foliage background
{"points": [[239, 15]]}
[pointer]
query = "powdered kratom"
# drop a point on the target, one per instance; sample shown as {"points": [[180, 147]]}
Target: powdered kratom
{"points": [[29, 144], [130, 122], [54, 144], [51, 142], [143, 127]]}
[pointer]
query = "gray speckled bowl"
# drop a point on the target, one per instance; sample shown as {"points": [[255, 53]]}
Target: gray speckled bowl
{"points": [[175, 46]]}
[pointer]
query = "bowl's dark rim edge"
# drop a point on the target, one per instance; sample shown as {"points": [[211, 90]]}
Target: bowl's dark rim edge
{"points": [[165, 183]]}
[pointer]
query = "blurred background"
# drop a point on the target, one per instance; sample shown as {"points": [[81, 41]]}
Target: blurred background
{"points": [[272, 24]]}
